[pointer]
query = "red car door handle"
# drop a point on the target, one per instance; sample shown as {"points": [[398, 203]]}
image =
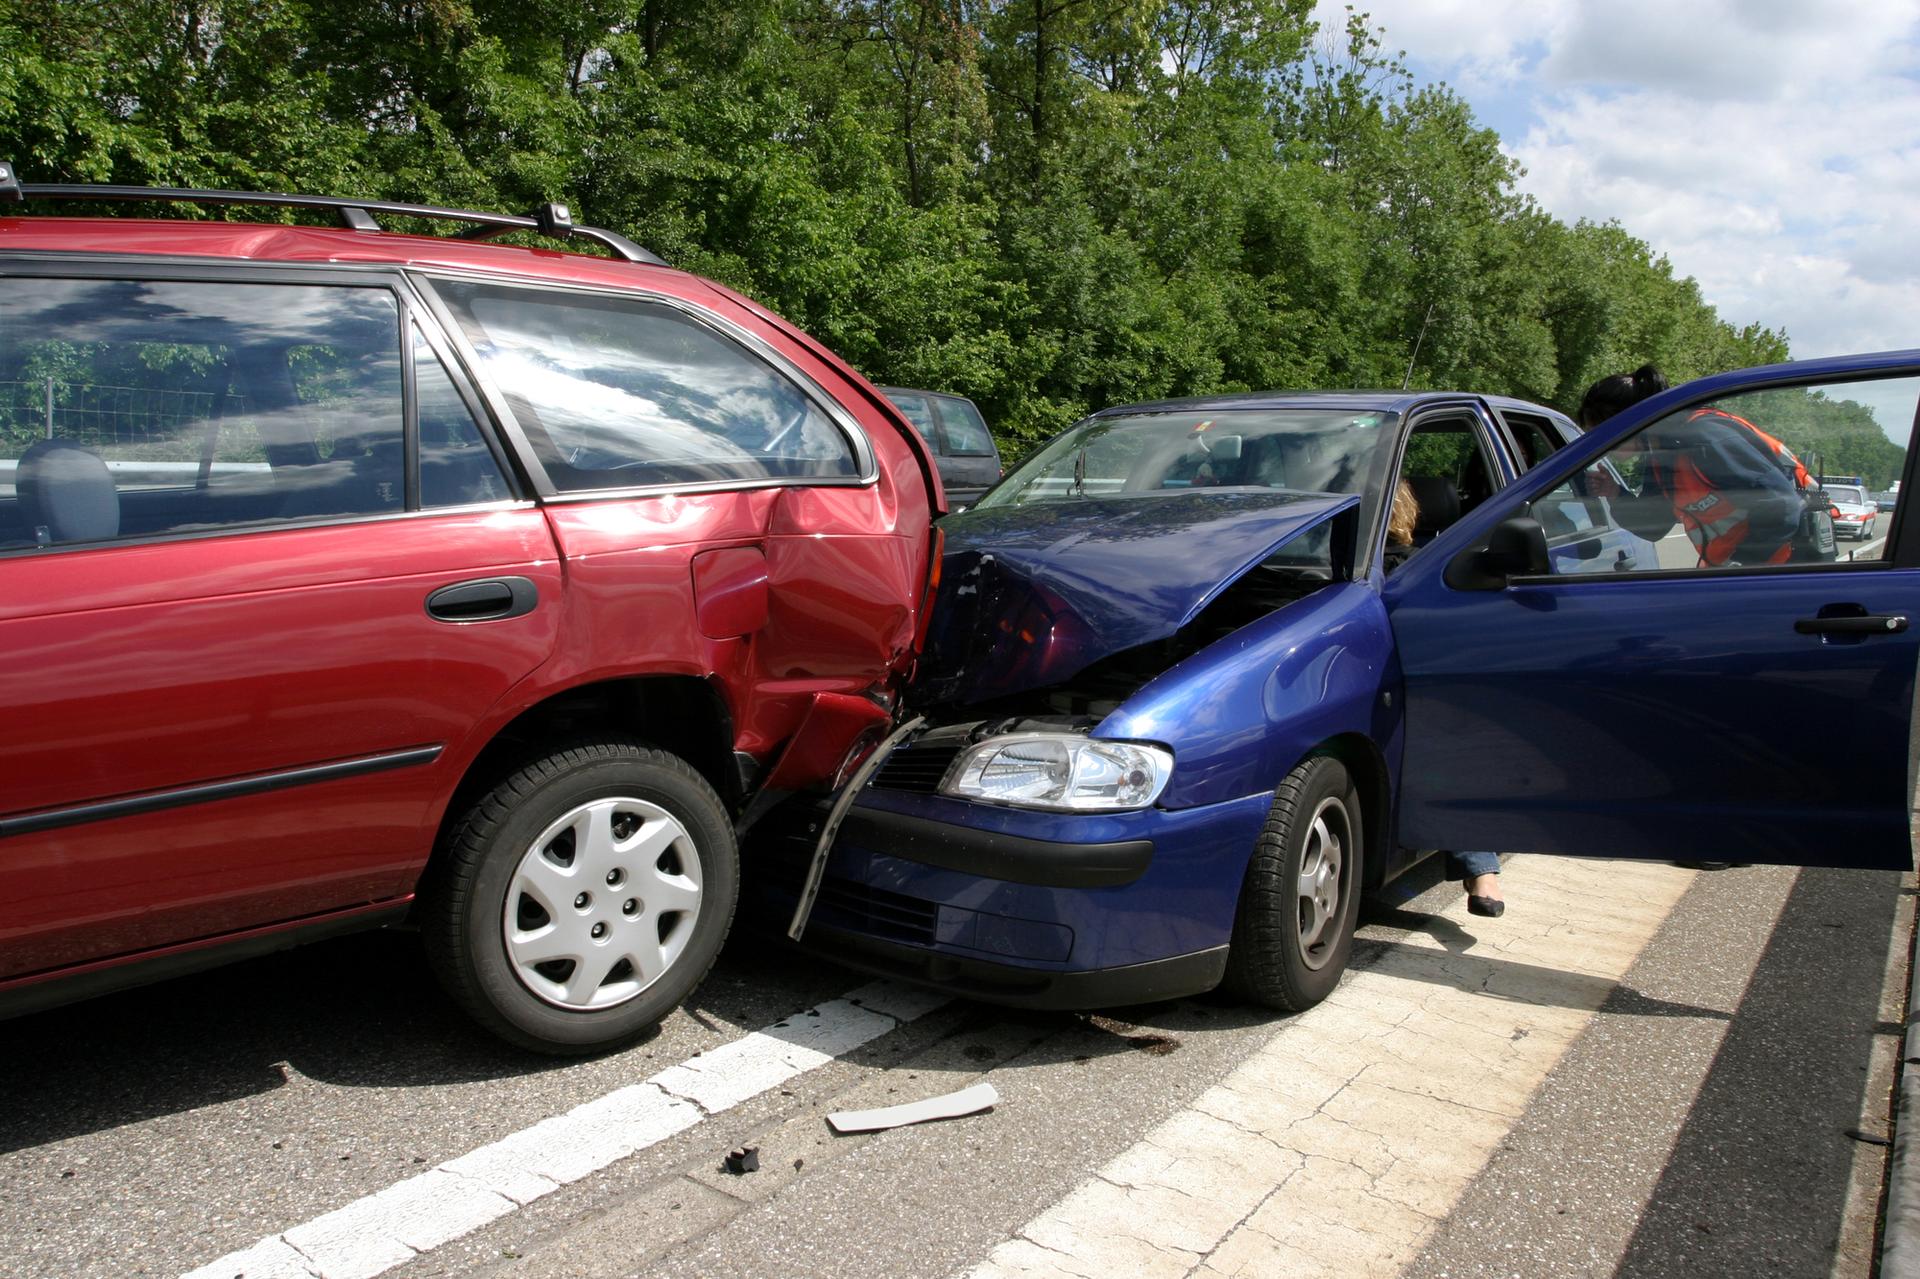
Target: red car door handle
{"points": [[487, 599], [1856, 625]]}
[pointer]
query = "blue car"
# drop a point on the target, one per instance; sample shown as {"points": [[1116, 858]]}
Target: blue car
{"points": [[1187, 695]]}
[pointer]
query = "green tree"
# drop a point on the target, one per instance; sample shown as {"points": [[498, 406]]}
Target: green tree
{"points": [[1049, 205]]}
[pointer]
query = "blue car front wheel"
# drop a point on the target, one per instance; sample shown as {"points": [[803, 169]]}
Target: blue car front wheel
{"points": [[1293, 930]]}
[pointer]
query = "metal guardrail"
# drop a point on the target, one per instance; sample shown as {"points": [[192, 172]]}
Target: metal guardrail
{"points": [[128, 476]]}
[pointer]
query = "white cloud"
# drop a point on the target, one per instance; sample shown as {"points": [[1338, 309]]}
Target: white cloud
{"points": [[1744, 50], [1769, 148], [1479, 46], [1789, 212]]}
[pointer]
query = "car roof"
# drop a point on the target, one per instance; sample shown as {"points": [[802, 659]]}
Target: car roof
{"points": [[278, 242], [1357, 401], [921, 390]]}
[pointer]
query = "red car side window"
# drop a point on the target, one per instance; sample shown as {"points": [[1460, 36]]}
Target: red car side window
{"points": [[135, 408], [625, 393]]}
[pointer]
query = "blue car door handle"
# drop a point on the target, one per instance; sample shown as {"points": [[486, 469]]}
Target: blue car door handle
{"points": [[1855, 625]]}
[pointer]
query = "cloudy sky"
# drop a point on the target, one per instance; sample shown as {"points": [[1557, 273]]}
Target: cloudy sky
{"points": [[1770, 148]]}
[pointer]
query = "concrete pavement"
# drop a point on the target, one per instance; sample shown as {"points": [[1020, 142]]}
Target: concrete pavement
{"points": [[1900, 1236], [1342, 1144], [1697, 1112], [1900, 1251], [1638, 1070]]}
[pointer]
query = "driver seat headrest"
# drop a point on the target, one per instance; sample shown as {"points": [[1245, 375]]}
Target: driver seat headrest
{"points": [[1439, 503], [66, 494]]}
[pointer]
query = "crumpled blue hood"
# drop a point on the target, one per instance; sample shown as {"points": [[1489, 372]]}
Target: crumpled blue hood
{"points": [[1032, 595]]}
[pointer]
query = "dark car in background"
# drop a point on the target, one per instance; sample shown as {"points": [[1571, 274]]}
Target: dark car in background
{"points": [[1178, 714], [952, 425], [352, 578]]}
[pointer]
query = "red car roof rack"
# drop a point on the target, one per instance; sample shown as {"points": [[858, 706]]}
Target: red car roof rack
{"points": [[553, 220]]}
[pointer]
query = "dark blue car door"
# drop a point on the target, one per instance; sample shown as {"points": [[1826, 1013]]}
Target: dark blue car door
{"points": [[1660, 706]]}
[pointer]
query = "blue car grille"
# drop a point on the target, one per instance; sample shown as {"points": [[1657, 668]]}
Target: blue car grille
{"points": [[876, 911], [917, 768]]}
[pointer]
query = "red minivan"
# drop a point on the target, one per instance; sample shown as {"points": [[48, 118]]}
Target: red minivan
{"points": [[352, 578]]}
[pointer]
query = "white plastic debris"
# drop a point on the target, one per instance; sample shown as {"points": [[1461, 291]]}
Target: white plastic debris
{"points": [[951, 1106]]}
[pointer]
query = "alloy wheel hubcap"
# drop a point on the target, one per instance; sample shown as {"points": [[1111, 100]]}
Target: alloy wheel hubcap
{"points": [[602, 904], [1322, 865]]}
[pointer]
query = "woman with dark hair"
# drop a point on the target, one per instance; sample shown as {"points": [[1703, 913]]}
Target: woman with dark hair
{"points": [[1621, 391], [1611, 395]]}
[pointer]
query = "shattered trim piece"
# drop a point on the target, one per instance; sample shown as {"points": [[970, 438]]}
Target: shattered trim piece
{"points": [[817, 871], [951, 1106]]}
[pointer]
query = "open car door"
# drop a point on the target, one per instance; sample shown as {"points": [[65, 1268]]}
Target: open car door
{"points": [[1731, 695]]}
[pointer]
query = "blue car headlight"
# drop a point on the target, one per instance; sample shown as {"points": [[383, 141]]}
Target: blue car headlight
{"points": [[1062, 772]]}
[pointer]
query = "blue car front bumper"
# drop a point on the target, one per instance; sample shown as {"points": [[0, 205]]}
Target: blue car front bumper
{"points": [[1046, 910]]}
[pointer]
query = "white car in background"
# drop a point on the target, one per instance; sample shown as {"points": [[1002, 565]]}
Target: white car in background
{"points": [[1855, 513]]}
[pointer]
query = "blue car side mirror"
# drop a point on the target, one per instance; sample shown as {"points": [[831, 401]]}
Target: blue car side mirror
{"points": [[1515, 548]]}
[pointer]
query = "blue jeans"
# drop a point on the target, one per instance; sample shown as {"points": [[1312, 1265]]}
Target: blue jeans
{"points": [[1468, 865]]}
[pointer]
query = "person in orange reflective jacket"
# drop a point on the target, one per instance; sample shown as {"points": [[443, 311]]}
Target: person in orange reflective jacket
{"points": [[1739, 493], [1736, 490]]}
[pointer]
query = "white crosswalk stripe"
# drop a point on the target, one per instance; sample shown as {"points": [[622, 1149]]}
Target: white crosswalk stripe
{"points": [[375, 1233]]}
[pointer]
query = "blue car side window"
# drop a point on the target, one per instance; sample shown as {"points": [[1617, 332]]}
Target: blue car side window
{"points": [[1735, 483]]}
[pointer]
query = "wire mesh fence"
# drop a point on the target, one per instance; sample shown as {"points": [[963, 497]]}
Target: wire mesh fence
{"points": [[136, 421]]}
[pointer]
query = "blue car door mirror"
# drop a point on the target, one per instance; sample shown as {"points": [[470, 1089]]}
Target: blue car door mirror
{"points": [[1516, 547]]}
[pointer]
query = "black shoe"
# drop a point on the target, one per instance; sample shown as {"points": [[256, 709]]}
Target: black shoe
{"points": [[1491, 907]]}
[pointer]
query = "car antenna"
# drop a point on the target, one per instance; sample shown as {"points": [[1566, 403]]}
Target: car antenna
{"points": [[1407, 381]]}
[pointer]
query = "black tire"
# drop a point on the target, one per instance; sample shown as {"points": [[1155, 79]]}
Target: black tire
{"points": [[464, 901], [1315, 819]]}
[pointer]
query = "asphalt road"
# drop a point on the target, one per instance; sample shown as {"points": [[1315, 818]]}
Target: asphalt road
{"points": [[1639, 1070]]}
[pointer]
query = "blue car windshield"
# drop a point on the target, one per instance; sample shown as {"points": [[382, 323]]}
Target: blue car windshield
{"points": [[1311, 450]]}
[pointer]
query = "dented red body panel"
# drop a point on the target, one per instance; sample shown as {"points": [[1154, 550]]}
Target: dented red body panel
{"points": [[828, 576]]}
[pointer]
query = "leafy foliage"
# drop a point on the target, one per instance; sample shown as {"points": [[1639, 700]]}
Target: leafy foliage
{"points": [[1831, 435], [1047, 205]]}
